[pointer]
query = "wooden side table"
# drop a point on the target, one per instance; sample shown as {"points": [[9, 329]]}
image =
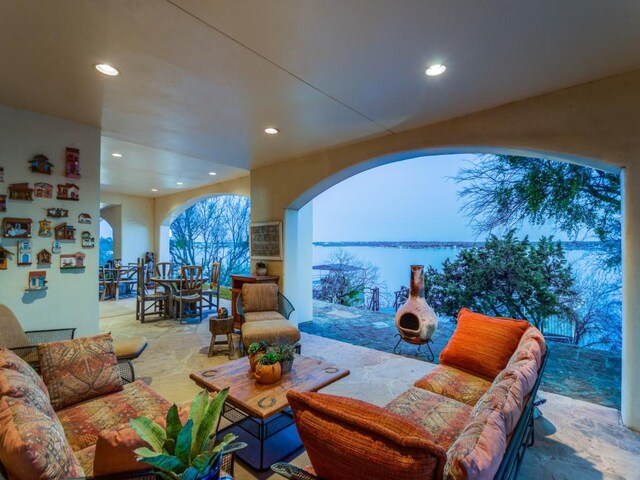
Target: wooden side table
{"points": [[236, 289], [221, 326]]}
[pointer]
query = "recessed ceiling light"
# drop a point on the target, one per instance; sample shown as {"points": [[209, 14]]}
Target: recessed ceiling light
{"points": [[117, 155], [154, 189], [179, 183], [271, 130], [107, 69], [212, 173], [435, 70]]}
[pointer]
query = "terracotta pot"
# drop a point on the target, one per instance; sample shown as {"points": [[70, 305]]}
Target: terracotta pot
{"points": [[253, 360], [266, 374], [416, 319]]}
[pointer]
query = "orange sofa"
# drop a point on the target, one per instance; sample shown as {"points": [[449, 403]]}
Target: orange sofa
{"points": [[469, 418]]}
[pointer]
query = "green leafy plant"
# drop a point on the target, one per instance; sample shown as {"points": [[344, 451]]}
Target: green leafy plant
{"points": [[189, 451], [261, 265], [269, 358], [285, 352], [256, 347]]}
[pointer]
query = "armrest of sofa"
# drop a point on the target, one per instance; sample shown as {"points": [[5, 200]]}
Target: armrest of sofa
{"points": [[292, 472], [54, 335], [285, 307], [126, 371]]}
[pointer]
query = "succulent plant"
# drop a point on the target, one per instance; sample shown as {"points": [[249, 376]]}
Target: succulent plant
{"points": [[261, 265], [257, 347], [189, 451], [269, 358], [284, 351]]}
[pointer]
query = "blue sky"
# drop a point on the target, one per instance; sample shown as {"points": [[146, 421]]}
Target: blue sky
{"points": [[408, 200]]}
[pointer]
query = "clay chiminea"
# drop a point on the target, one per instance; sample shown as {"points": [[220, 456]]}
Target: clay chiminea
{"points": [[416, 321]]}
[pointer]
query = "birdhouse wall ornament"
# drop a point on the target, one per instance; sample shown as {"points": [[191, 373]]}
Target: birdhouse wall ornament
{"points": [[20, 191], [72, 163], [16, 227], [41, 164], [44, 257], [64, 231], [43, 190], [45, 228], [87, 240], [68, 191], [24, 252], [4, 257], [3, 203], [84, 218], [56, 247], [1, 174], [37, 281], [72, 260]]}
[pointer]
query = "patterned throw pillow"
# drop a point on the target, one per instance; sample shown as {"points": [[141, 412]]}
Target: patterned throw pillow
{"points": [[80, 369], [10, 361]]}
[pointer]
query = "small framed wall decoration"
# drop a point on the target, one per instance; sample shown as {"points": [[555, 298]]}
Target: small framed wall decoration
{"points": [[64, 231], [1, 174], [41, 164], [20, 191], [44, 257], [68, 191], [37, 281], [45, 228], [57, 212], [266, 240], [24, 252], [87, 240], [72, 163], [56, 247], [84, 218], [4, 257], [3, 203], [43, 190], [72, 260], [16, 227]]}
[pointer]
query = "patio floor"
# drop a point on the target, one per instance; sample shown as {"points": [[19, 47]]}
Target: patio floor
{"points": [[586, 374]]}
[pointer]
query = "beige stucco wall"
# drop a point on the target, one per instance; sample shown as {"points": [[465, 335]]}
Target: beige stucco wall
{"points": [[596, 123], [132, 220]]}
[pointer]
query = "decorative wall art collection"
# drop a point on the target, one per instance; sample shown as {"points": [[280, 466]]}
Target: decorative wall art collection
{"points": [[20, 228]]}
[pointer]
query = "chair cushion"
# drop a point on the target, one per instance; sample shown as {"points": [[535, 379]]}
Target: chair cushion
{"points": [[442, 417], [482, 345], [454, 383], [80, 369], [11, 333], [347, 438], [259, 297], [271, 331], [260, 316], [129, 347], [32, 442], [84, 422], [532, 346], [85, 458]]}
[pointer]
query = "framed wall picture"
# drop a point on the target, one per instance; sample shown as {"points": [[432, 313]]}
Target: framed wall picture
{"points": [[266, 240]]}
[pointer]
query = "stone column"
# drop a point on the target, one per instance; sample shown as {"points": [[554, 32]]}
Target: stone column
{"points": [[631, 297]]}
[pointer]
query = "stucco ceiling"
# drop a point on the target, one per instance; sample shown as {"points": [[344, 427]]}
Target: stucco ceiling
{"points": [[201, 79]]}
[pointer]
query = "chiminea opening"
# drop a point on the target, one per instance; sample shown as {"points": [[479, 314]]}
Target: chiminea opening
{"points": [[409, 321]]}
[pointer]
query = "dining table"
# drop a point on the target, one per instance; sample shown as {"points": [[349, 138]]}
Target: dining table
{"points": [[172, 285]]}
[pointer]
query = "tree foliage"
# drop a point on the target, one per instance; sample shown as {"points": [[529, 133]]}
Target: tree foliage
{"points": [[506, 277], [502, 191], [216, 228]]}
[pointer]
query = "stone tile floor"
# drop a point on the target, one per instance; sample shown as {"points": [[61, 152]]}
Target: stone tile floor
{"points": [[574, 440], [586, 374]]}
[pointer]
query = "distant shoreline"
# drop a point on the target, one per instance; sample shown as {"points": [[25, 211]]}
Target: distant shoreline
{"points": [[592, 245]]}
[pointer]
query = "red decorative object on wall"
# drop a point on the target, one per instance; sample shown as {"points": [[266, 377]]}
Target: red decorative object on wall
{"points": [[72, 165]]}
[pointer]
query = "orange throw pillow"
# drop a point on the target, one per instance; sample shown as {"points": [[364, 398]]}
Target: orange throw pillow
{"points": [[483, 345], [347, 439]]}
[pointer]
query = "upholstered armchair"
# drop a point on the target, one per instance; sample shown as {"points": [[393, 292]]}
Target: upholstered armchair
{"points": [[265, 315]]}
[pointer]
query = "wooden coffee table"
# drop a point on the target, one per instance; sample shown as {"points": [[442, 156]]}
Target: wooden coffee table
{"points": [[260, 414]]}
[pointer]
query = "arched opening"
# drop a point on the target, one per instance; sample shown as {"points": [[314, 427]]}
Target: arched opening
{"points": [[106, 241], [209, 229], [415, 215]]}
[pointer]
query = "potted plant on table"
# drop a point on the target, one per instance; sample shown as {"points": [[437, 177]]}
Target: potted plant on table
{"points": [[285, 353], [255, 351], [268, 369], [261, 268], [188, 451]]}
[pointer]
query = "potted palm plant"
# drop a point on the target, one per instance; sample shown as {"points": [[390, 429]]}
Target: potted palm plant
{"points": [[268, 369], [285, 353], [255, 351], [189, 451]]}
